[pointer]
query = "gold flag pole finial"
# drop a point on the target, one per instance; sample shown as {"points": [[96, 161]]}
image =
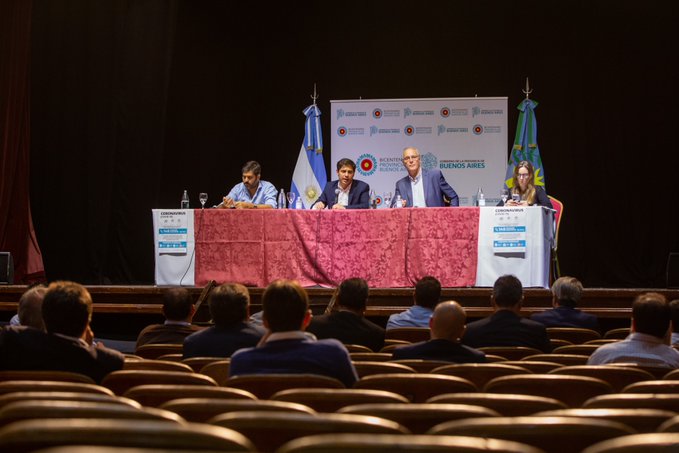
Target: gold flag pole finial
{"points": [[315, 95], [527, 91]]}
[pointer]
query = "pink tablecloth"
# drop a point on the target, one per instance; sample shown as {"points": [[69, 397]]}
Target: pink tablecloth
{"points": [[387, 247]]}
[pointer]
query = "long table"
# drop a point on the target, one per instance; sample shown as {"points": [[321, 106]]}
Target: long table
{"points": [[390, 248]]}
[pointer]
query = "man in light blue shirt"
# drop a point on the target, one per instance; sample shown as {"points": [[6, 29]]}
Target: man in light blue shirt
{"points": [[427, 295], [252, 193]]}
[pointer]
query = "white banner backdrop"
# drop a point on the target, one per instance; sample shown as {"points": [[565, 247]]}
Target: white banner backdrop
{"points": [[464, 137]]}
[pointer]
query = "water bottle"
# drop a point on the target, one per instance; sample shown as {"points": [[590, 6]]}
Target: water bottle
{"points": [[298, 203], [399, 202], [185, 200], [373, 200], [481, 199], [281, 200]]}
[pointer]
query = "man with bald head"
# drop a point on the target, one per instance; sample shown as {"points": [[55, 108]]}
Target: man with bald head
{"points": [[422, 187], [448, 325]]}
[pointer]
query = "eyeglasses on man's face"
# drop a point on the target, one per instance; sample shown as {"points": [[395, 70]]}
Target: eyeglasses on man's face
{"points": [[409, 158]]}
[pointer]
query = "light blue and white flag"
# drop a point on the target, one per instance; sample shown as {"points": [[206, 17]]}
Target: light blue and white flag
{"points": [[310, 176]]}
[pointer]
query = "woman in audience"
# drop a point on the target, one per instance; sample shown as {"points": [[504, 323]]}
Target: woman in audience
{"points": [[524, 188]]}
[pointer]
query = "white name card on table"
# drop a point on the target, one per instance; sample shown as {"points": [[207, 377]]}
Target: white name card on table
{"points": [[174, 244]]}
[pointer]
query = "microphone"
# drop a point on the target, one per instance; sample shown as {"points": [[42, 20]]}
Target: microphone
{"points": [[337, 192]]}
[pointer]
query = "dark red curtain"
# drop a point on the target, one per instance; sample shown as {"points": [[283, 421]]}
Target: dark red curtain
{"points": [[16, 226]]}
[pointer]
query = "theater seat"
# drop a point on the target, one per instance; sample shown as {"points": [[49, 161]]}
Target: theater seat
{"points": [[156, 395], [265, 385], [331, 400], [418, 388]]}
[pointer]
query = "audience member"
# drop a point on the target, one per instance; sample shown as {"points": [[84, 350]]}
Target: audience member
{"points": [[448, 325], [253, 192], [427, 295], [674, 308], [566, 294], [29, 312], [229, 306], [648, 342], [506, 327], [346, 322], [178, 309], [67, 343], [286, 349]]}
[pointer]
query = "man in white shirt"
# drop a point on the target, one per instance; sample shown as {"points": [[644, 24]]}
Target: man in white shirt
{"points": [[422, 188]]}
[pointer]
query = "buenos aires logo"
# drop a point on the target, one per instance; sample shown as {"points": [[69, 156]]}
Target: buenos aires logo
{"points": [[409, 130], [477, 129], [445, 112], [341, 131], [367, 164], [377, 113]]}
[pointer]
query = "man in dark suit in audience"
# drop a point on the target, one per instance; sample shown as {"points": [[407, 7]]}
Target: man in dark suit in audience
{"points": [[346, 322], [229, 306], [287, 349], [448, 325], [178, 309], [566, 293], [506, 327], [67, 343]]}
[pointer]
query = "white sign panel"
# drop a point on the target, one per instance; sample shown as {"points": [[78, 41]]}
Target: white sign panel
{"points": [[173, 240], [509, 230], [466, 138]]}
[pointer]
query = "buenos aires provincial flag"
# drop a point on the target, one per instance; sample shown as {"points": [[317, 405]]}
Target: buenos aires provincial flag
{"points": [[310, 176], [526, 144]]}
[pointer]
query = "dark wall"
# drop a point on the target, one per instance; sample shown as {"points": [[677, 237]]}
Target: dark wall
{"points": [[135, 101]]}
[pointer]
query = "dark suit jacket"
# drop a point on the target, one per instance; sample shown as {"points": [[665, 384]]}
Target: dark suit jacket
{"points": [[349, 328], [25, 348], [165, 334], [359, 195], [506, 328], [435, 187], [443, 350], [566, 317], [541, 198], [222, 341]]}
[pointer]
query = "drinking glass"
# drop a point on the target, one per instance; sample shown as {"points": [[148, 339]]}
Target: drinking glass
{"points": [[387, 199], [291, 199], [504, 194], [202, 197]]}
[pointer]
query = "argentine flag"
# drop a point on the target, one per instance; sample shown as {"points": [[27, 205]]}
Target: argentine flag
{"points": [[310, 177]]}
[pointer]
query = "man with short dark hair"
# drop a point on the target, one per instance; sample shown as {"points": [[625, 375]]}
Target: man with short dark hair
{"points": [[674, 308], [346, 322], [648, 342], [286, 349], [566, 294], [448, 325], [506, 327], [426, 297], [229, 307], [346, 192], [253, 192], [67, 344], [178, 309]]}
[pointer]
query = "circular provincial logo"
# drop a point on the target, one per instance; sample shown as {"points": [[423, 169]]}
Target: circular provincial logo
{"points": [[477, 129], [409, 130], [367, 164], [341, 131], [377, 113], [445, 112], [378, 200]]}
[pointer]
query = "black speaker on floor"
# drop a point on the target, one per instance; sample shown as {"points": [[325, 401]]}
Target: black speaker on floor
{"points": [[673, 270], [6, 269]]}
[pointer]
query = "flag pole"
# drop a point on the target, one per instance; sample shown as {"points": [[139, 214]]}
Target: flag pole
{"points": [[314, 96], [527, 91]]}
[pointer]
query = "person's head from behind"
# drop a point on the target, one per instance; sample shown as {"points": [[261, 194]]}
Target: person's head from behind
{"points": [[523, 176], [229, 304], [353, 294], [251, 173], [346, 169], [427, 292], [67, 309], [674, 309], [178, 305], [651, 315], [30, 307], [285, 306], [448, 322], [507, 293], [567, 291]]}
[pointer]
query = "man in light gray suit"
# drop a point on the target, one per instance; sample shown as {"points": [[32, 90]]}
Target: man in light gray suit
{"points": [[422, 188]]}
